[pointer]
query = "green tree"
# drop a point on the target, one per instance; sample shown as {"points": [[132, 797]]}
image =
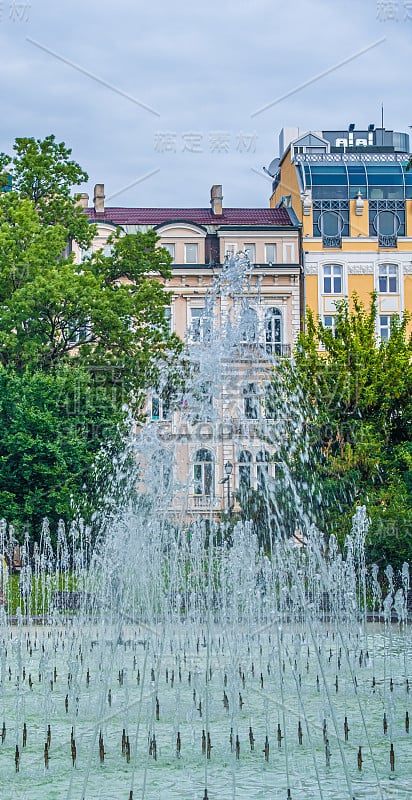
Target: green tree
{"points": [[102, 320], [42, 171], [356, 400], [52, 428], [105, 312]]}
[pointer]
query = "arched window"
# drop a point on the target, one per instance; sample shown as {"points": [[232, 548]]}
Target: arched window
{"points": [[273, 331], [248, 326], [245, 470], [203, 469], [262, 470]]}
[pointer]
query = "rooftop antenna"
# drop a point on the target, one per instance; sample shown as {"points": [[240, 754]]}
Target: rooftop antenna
{"points": [[382, 116]]}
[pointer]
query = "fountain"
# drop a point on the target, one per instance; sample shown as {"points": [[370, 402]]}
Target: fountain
{"points": [[183, 660]]}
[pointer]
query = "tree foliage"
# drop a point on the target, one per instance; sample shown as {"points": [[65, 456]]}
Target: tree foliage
{"points": [[357, 403], [43, 172], [53, 425], [102, 321]]}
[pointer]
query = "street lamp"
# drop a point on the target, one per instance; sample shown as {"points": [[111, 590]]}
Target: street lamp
{"points": [[228, 470]]}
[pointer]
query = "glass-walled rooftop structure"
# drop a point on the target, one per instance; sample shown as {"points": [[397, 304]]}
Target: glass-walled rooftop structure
{"points": [[342, 177]]}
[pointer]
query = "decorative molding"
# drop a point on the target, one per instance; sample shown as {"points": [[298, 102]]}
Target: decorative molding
{"points": [[360, 269], [407, 269], [311, 269]]}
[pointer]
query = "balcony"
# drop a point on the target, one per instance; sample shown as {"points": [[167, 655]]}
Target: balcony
{"points": [[332, 241], [278, 349], [205, 502], [386, 240], [251, 350]]}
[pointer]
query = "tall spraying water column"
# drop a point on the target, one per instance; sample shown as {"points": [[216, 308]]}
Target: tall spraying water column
{"points": [[198, 655]]}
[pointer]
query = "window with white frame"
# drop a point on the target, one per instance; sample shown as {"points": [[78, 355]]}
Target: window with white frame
{"points": [[245, 470], [332, 279], [250, 250], [168, 317], [273, 331], [170, 247], [388, 278], [329, 321], [161, 471], [79, 332], [289, 253], [191, 253], [202, 402], [203, 468], [199, 325], [385, 321], [161, 406], [85, 253], [248, 325], [271, 403], [270, 254], [262, 469], [230, 249], [251, 401]]}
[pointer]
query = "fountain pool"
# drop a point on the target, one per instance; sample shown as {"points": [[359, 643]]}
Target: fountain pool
{"points": [[247, 677], [193, 663]]}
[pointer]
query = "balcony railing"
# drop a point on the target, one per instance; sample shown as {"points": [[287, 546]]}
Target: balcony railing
{"points": [[205, 502], [278, 349], [385, 240], [332, 241], [251, 349]]}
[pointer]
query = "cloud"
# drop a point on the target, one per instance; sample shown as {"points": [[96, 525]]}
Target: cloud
{"points": [[204, 68]]}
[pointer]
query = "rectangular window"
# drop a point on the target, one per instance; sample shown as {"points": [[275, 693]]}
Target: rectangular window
{"points": [[169, 246], [85, 253], [168, 318], [270, 254], [329, 322], [262, 475], [289, 253], [384, 327], [388, 278], [155, 407], [231, 249], [251, 401], [161, 406], [191, 253], [332, 279], [200, 328], [79, 333], [244, 477], [250, 250], [203, 478]]}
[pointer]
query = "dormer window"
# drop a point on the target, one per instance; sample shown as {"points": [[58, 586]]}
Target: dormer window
{"points": [[191, 254]]}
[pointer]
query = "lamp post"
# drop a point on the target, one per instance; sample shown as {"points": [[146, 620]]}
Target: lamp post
{"points": [[228, 471]]}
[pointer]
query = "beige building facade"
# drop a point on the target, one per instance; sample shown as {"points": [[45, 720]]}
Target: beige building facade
{"points": [[236, 303]]}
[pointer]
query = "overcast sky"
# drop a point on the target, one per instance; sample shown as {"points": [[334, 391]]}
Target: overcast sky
{"points": [[159, 100]]}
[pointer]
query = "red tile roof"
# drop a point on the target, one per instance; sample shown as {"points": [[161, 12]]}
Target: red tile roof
{"points": [[200, 216]]}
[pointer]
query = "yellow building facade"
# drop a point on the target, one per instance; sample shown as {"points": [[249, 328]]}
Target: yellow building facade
{"points": [[353, 195]]}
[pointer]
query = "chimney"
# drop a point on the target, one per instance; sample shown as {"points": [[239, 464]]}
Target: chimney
{"points": [[82, 200], [216, 200], [98, 199]]}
